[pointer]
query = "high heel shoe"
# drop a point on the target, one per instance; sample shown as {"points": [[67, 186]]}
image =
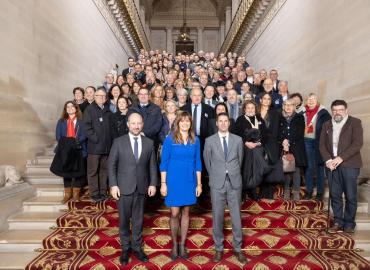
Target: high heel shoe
{"points": [[174, 252], [183, 251]]}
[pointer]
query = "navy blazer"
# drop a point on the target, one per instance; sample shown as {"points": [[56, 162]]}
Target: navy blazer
{"points": [[61, 131]]}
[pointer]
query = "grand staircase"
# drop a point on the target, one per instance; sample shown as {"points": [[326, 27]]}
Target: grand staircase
{"points": [[27, 229]]}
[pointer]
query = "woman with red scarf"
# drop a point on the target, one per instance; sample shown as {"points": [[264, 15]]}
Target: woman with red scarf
{"points": [[70, 126], [316, 115]]}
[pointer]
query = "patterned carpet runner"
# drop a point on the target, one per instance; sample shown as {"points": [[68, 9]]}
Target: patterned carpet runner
{"points": [[277, 235]]}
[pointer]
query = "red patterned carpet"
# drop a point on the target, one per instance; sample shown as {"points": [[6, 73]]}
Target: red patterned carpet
{"points": [[277, 235]]}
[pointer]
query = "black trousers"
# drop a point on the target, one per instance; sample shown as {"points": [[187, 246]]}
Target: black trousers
{"points": [[97, 174], [131, 207]]}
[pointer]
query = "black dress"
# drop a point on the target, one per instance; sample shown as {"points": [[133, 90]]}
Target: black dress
{"points": [[273, 154], [118, 124], [245, 128]]}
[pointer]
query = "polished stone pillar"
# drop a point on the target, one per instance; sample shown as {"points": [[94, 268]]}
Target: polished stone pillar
{"points": [[169, 39], [222, 32], [200, 38], [228, 19]]}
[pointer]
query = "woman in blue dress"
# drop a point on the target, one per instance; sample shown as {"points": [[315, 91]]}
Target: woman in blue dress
{"points": [[181, 168]]}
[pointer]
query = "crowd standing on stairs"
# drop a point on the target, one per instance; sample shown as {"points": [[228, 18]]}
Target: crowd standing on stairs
{"points": [[189, 112]]}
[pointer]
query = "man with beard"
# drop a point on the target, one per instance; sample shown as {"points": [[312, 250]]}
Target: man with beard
{"points": [[340, 144]]}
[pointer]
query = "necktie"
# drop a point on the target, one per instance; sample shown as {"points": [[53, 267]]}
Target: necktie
{"points": [[232, 110], [195, 116], [225, 147], [209, 102], [136, 149]]}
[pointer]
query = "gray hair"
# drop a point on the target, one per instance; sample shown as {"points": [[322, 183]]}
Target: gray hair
{"points": [[181, 91]]}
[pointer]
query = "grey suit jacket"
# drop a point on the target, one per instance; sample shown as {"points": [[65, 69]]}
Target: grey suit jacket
{"points": [[127, 173], [216, 164]]}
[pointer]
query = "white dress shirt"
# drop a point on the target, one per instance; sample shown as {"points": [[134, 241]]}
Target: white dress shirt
{"points": [[132, 141]]}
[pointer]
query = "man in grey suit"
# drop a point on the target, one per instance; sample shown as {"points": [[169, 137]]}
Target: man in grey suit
{"points": [[133, 173], [223, 156]]}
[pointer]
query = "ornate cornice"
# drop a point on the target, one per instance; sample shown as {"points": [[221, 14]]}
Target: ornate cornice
{"points": [[247, 18], [122, 17], [248, 43]]}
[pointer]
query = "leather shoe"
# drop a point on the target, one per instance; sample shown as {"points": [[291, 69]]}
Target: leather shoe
{"points": [[319, 197], [123, 259], [218, 256], [335, 228], [174, 252], [349, 230], [240, 257], [140, 255], [183, 251]]}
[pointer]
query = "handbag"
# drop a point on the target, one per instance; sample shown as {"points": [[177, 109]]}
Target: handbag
{"points": [[288, 162]]}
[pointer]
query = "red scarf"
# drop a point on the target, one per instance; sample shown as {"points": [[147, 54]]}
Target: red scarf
{"points": [[310, 113], [71, 127]]}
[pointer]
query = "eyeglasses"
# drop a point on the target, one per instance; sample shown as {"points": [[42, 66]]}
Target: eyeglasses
{"points": [[338, 110]]}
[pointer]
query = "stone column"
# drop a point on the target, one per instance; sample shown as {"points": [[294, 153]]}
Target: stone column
{"points": [[227, 20], [200, 38], [222, 33], [147, 32], [234, 8], [169, 39]]}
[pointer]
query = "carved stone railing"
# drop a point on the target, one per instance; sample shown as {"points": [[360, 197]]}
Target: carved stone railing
{"points": [[123, 18], [243, 25]]}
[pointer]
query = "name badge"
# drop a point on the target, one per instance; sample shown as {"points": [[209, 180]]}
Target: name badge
{"points": [[101, 119]]}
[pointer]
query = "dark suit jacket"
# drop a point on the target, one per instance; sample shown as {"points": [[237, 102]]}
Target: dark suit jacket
{"points": [[350, 142], [125, 72], [127, 173], [207, 113]]}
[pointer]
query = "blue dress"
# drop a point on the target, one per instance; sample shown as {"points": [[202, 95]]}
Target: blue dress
{"points": [[181, 162]]}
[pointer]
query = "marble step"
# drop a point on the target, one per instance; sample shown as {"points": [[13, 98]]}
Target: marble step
{"points": [[33, 220], [43, 160], [49, 190], [362, 221], [22, 240], [362, 239], [43, 179], [38, 169], [16, 260], [44, 204]]}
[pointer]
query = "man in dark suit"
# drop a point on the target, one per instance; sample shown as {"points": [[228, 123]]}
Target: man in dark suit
{"points": [[133, 174], [151, 114], [341, 140], [200, 112], [130, 69]]}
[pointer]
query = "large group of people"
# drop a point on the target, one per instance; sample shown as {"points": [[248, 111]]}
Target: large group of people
{"points": [[197, 125]]}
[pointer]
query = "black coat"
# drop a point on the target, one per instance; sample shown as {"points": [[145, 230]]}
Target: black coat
{"points": [[68, 161], [118, 124], [271, 144], [242, 125], [97, 129], [294, 133], [152, 116], [207, 113]]}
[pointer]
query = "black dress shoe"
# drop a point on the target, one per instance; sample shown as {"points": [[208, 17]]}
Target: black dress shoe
{"points": [[95, 199], [307, 196], [140, 255], [218, 256], [335, 229], [240, 257], [123, 259], [319, 197], [103, 197], [349, 230]]}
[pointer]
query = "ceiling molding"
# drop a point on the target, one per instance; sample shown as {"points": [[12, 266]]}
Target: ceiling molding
{"points": [[246, 19], [123, 18]]}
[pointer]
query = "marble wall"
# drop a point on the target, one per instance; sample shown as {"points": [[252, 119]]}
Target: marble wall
{"points": [[322, 47], [47, 48]]}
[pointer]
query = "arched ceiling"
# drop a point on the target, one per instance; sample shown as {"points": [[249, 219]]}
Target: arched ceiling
{"points": [[166, 10]]}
